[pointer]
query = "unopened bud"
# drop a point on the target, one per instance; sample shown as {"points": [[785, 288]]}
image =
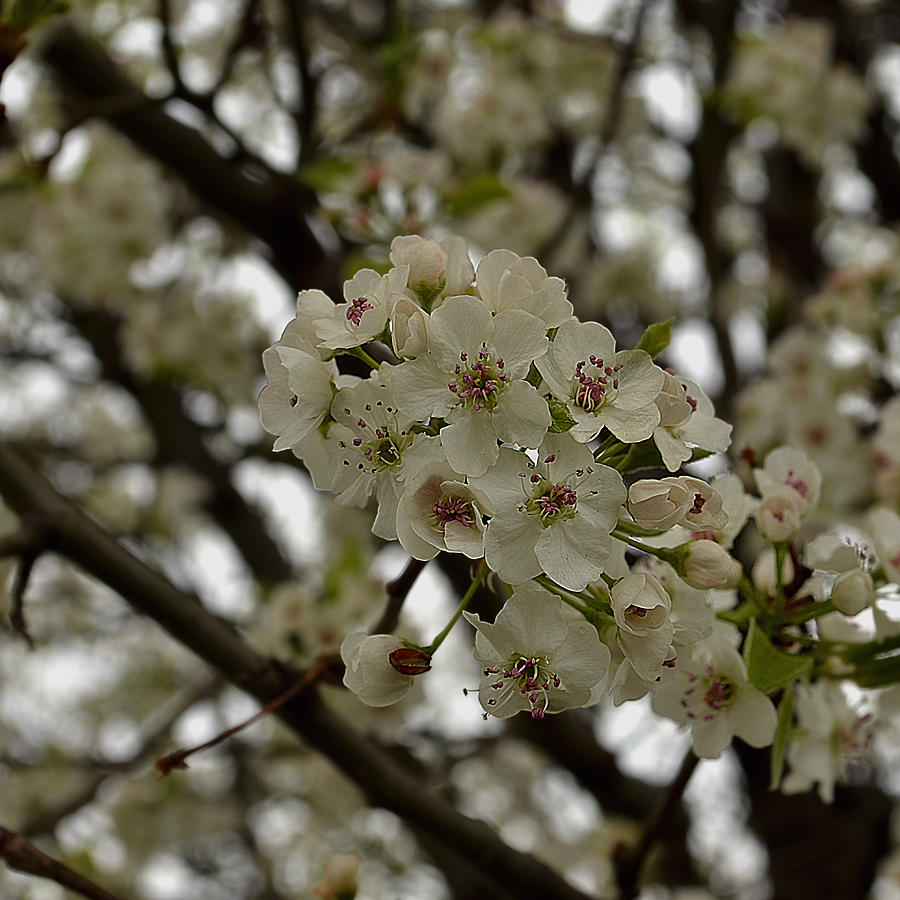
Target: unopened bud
{"points": [[706, 564], [410, 661], [853, 592]]}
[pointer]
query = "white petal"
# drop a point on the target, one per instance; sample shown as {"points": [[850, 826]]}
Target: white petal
{"points": [[521, 415], [470, 441], [509, 547]]}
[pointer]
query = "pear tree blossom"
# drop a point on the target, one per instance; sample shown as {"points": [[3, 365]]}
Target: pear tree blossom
{"points": [[538, 655]]}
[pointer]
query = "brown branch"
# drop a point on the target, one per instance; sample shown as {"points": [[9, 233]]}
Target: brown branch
{"points": [[322, 667], [28, 542], [630, 860], [397, 591], [268, 204], [44, 821], [374, 769], [25, 857]]}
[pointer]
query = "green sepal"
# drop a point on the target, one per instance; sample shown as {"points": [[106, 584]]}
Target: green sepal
{"points": [[562, 418], [534, 376], [785, 715], [656, 338], [769, 668]]}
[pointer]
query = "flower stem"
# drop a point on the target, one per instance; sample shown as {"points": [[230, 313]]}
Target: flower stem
{"points": [[660, 552], [359, 353], [567, 596], [467, 597]]}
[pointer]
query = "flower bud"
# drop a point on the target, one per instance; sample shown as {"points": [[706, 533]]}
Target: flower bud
{"points": [[763, 573], [705, 565], [410, 661], [777, 518], [658, 505], [409, 328], [369, 673], [427, 262], [853, 592]]}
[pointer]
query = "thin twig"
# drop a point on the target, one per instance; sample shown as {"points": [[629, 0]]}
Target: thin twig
{"points": [[25, 857], [630, 860], [397, 591], [323, 666], [27, 542]]}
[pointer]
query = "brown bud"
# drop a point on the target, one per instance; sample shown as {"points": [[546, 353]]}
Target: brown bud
{"points": [[409, 661]]}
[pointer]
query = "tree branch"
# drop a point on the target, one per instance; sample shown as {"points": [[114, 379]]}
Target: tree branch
{"points": [[268, 204], [25, 857], [372, 768]]}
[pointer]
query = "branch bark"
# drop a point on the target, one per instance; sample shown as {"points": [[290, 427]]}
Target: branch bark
{"points": [[386, 784]]}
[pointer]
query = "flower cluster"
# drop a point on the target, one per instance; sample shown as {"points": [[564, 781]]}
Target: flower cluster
{"points": [[495, 424]]}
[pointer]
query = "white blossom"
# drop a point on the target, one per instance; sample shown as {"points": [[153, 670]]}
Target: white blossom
{"points": [[552, 516], [538, 655], [641, 608], [473, 376], [369, 673], [602, 387]]}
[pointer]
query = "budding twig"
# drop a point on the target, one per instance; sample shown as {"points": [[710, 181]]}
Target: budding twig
{"points": [[321, 667], [25, 857]]}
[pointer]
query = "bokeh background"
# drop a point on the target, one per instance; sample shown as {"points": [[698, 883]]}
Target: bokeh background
{"points": [[173, 172]]}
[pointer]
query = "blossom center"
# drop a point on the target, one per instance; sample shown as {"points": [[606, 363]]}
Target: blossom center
{"points": [[453, 509], [707, 695], [381, 445], [357, 308], [478, 384], [551, 502], [528, 675], [594, 383]]}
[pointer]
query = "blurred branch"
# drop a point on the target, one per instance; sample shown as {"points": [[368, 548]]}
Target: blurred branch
{"points": [[304, 113], [45, 821], [630, 860], [397, 591], [709, 152], [28, 542], [179, 440], [386, 784], [268, 204], [25, 857]]}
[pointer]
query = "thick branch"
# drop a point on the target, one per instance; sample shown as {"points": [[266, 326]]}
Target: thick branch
{"points": [[25, 857], [374, 769]]}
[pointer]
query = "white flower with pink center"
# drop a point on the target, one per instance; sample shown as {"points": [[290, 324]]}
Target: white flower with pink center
{"points": [[686, 420], [539, 655], [830, 734], [368, 671], [299, 388], [362, 317], [708, 689], [641, 607], [602, 388], [372, 447], [507, 281], [790, 472], [473, 376], [554, 515], [437, 511]]}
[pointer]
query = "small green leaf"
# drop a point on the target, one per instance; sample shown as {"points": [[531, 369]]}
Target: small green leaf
{"points": [[475, 192], [327, 175], [562, 419], [534, 376], [785, 710], [768, 667], [656, 338]]}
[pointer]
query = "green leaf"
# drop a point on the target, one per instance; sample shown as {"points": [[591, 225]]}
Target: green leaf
{"points": [[562, 419], [646, 455], [785, 710], [656, 338], [475, 192], [534, 376], [327, 175], [768, 667]]}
